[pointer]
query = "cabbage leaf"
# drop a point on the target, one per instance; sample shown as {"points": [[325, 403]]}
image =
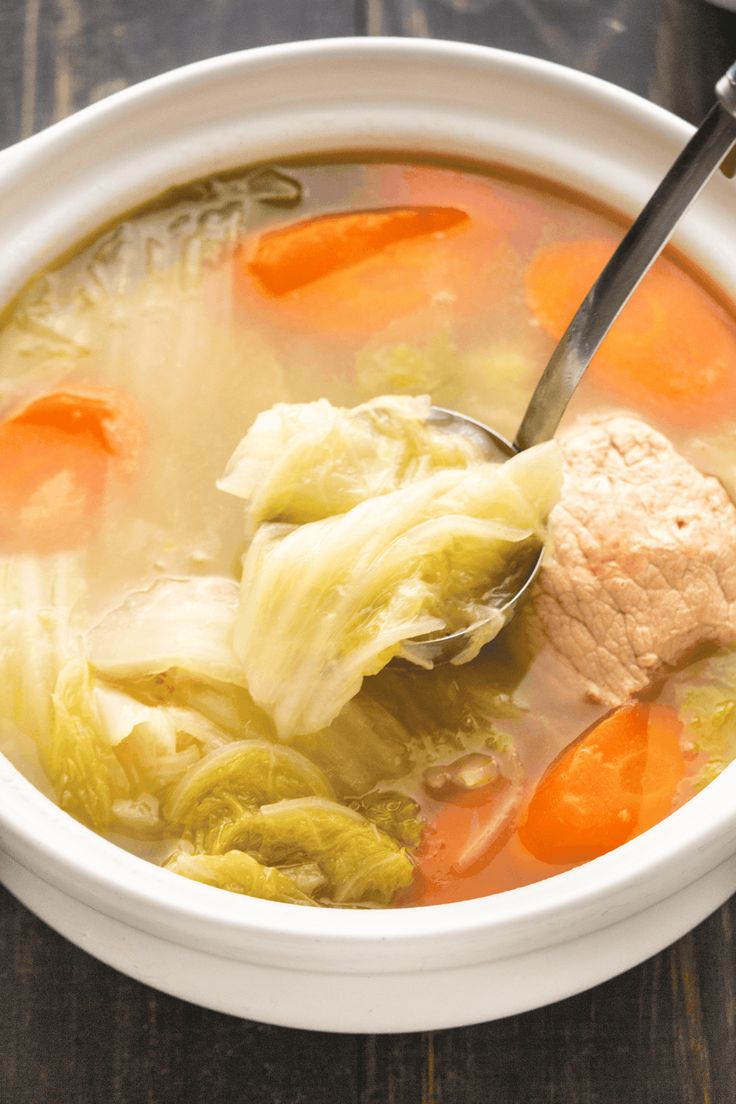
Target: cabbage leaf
{"points": [[302, 462], [324, 604], [40, 608], [240, 873], [493, 381], [111, 757], [393, 812], [364, 744], [404, 720], [706, 704], [362, 865], [84, 770], [182, 623], [234, 779]]}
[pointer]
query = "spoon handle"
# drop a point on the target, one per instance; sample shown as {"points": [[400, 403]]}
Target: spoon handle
{"points": [[638, 249]]}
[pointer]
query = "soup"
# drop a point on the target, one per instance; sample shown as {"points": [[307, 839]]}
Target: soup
{"points": [[135, 377]]}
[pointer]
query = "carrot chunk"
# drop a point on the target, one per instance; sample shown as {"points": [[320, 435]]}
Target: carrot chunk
{"points": [[615, 782], [55, 458], [293, 256], [671, 352], [351, 276], [100, 415]]}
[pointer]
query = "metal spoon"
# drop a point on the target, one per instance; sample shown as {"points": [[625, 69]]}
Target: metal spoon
{"points": [[637, 251]]}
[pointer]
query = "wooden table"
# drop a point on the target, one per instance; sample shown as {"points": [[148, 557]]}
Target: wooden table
{"points": [[73, 1031]]}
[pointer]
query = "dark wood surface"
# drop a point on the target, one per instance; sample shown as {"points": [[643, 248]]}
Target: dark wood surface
{"points": [[73, 1031]]}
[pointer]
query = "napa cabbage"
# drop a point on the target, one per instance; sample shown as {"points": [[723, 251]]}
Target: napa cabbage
{"points": [[365, 743], [303, 462], [221, 706], [111, 757], [493, 381], [324, 604], [361, 864], [433, 367], [182, 623], [41, 599], [393, 812], [82, 767], [404, 720], [240, 873], [234, 779], [706, 702]]}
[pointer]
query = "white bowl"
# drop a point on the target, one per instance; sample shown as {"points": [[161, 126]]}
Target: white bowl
{"points": [[335, 970]]}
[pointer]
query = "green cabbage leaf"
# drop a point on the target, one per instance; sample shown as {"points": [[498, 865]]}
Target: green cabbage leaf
{"points": [[405, 720], [324, 604], [111, 757], [82, 766], [361, 864], [240, 873], [301, 462], [234, 779], [493, 382], [365, 743], [706, 703], [393, 812]]}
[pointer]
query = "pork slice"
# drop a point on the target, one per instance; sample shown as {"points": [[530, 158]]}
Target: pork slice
{"points": [[642, 567]]}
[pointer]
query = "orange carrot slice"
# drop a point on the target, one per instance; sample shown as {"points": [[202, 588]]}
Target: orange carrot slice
{"points": [[672, 351], [616, 781], [55, 458], [350, 276], [293, 256], [101, 414]]}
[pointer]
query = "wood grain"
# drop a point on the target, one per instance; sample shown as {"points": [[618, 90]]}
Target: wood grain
{"points": [[73, 1031], [65, 54], [615, 40]]}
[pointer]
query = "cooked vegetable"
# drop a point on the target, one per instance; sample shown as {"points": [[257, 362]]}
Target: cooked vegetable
{"points": [[110, 756], [56, 455], [240, 873], [292, 256], [706, 702], [104, 415], [236, 779], [366, 742], [431, 367], [671, 352], [303, 462], [493, 380], [325, 604], [40, 601], [352, 275], [121, 714], [362, 864], [615, 782], [489, 206], [175, 623], [403, 721], [223, 703], [224, 706], [156, 744], [82, 766], [394, 813]]}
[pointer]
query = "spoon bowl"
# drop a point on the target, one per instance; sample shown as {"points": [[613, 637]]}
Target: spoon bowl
{"points": [[445, 649]]}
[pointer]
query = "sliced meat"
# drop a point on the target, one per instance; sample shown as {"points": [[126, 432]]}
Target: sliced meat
{"points": [[643, 561]]}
